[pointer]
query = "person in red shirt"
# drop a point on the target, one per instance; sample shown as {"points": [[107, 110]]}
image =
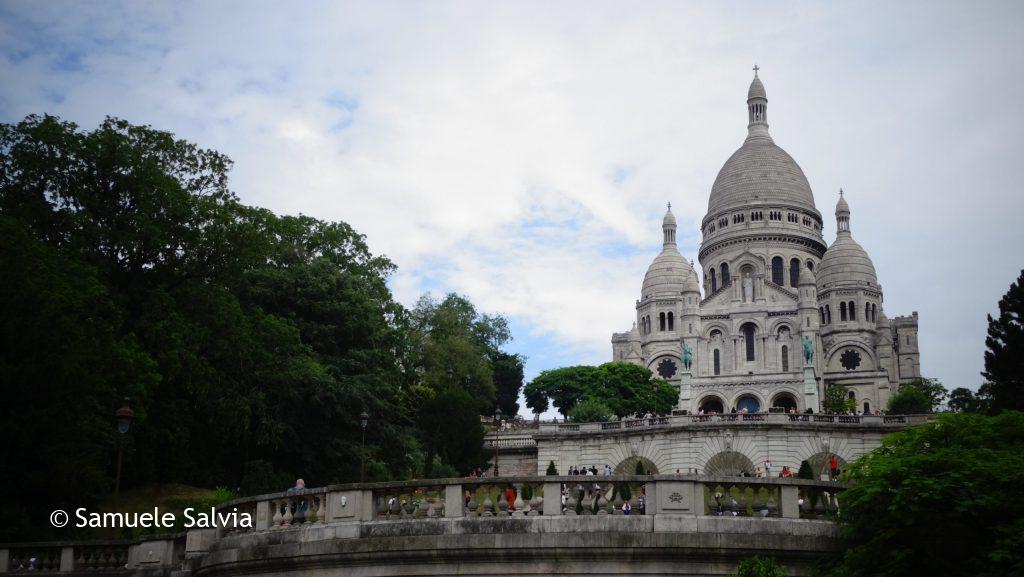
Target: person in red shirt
{"points": [[833, 466]]}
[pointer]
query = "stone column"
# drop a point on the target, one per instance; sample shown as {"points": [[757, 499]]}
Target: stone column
{"points": [[453, 501], [552, 493], [67, 559], [789, 506]]}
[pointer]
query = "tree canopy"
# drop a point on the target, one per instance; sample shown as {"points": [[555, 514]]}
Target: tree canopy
{"points": [[624, 389], [247, 342], [917, 397], [1004, 359], [938, 499]]}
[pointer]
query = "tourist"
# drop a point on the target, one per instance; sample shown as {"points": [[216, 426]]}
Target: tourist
{"points": [[833, 467], [300, 485], [626, 508], [767, 467], [785, 472], [607, 470], [641, 502], [593, 470], [758, 472]]}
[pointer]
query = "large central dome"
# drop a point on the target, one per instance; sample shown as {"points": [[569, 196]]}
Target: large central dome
{"points": [[760, 172]]}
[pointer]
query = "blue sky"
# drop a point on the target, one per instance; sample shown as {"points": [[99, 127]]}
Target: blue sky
{"points": [[522, 153]]}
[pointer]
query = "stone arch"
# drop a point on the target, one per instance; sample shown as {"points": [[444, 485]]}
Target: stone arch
{"points": [[785, 400], [710, 328], [628, 466], [710, 403], [867, 361], [729, 464], [749, 399], [778, 324]]}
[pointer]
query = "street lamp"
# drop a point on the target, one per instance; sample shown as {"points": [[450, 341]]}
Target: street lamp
{"points": [[125, 415], [363, 419], [497, 431]]}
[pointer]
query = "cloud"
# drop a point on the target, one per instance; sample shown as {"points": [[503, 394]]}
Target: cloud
{"points": [[522, 153]]}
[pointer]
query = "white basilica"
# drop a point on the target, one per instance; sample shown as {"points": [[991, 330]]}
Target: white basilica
{"points": [[780, 315]]}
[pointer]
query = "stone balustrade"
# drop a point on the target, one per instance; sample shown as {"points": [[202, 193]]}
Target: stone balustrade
{"points": [[529, 496], [553, 509], [95, 557], [888, 421]]}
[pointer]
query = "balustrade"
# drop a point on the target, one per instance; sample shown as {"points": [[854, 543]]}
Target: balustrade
{"points": [[36, 559]]}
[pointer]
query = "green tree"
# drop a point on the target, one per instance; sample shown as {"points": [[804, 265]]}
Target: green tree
{"points": [[917, 397], [589, 410], [963, 400], [624, 388], [837, 400], [248, 342], [508, 381], [552, 470], [1004, 359], [936, 499], [759, 567]]}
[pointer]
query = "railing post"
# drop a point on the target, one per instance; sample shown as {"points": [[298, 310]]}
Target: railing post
{"points": [[790, 495], [453, 503], [198, 541], [651, 498], [552, 493], [67, 559], [262, 522]]}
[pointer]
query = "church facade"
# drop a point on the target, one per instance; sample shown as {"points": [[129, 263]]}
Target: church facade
{"points": [[779, 315]]}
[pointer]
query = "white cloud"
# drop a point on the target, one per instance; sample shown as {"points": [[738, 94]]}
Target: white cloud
{"points": [[507, 151]]}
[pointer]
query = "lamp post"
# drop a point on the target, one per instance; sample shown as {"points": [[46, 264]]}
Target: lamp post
{"points": [[125, 415], [363, 419], [497, 431]]}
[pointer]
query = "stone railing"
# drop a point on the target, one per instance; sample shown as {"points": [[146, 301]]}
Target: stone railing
{"points": [[509, 441], [101, 557], [800, 419], [531, 496], [524, 515]]}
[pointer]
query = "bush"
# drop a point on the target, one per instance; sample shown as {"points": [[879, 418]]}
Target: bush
{"points": [[590, 410], [759, 567], [624, 491], [640, 470], [527, 493], [552, 470]]}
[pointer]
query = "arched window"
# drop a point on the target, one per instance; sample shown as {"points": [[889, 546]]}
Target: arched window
{"points": [[853, 311], [748, 336], [867, 408], [852, 395], [822, 311], [725, 274], [794, 272], [810, 265], [661, 322], [777, 270], [714, 281], [718, 362], [671, 322], [867, 312], [874, 311], [828, 315], [785, 359], [842, 311]]}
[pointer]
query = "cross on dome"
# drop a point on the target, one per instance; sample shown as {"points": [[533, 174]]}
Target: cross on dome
{"points": [[756, 68]]}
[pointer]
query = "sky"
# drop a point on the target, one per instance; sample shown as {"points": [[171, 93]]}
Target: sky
{"points": [[522, 153]]}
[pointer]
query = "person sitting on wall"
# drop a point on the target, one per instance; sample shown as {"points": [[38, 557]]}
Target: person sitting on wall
{"points": [[626, 508]]}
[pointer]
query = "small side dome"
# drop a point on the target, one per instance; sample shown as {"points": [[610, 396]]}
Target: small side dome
{"points": [[845, 263], [669, 275]]}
